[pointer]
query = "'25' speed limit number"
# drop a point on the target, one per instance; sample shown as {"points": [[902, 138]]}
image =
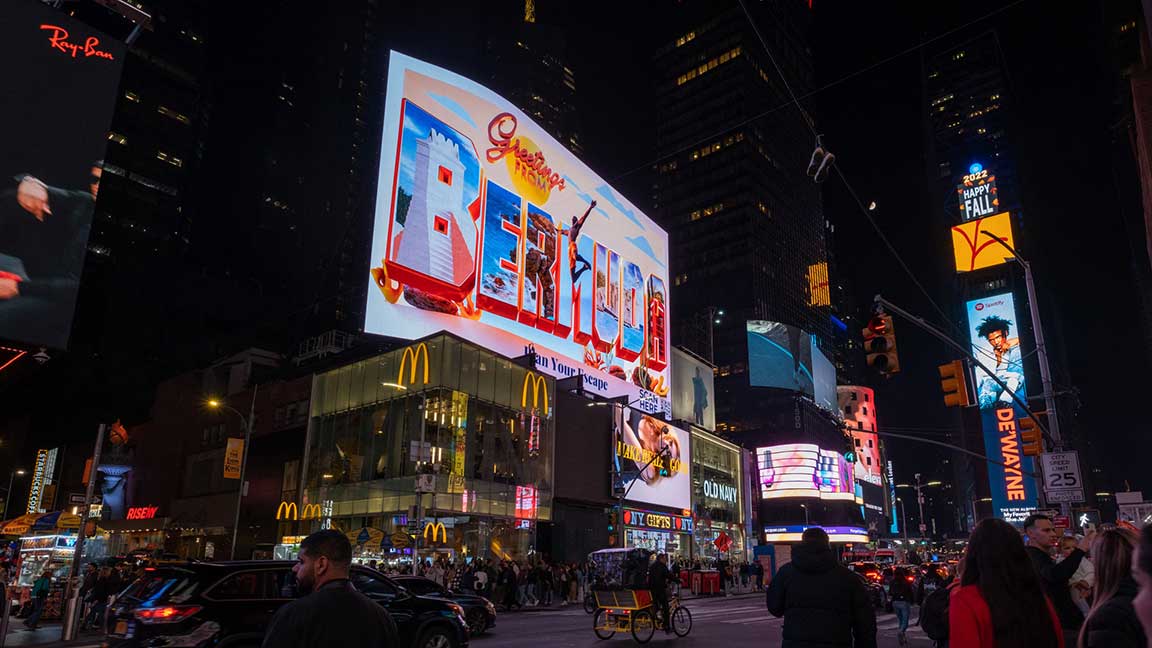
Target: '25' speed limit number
{"points": [[1061, 471]]}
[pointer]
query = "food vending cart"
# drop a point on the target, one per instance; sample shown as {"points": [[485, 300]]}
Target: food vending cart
{"points": [[53, 553]]}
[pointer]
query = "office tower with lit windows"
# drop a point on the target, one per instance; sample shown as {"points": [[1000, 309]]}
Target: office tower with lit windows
{"points": [[746, 224], [969, 118], [525, 62]]}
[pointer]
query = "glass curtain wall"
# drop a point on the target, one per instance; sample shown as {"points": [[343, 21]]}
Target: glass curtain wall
{"points": [[480, 424], [716, 496]]}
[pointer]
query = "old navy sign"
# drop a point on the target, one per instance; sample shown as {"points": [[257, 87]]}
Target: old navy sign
{"points": [[658, 521], [723, 492]]}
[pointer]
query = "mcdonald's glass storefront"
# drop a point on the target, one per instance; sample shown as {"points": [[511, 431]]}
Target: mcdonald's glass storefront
{"points": [[469, 428]]}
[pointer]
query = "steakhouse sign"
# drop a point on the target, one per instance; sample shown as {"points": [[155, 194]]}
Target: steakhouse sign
{"points": [[488, 228]]}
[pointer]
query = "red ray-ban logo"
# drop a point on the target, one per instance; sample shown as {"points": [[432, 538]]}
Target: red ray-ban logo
{"points": [[58, 39]]}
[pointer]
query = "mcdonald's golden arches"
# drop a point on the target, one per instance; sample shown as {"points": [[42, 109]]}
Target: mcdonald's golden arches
{"points": [[438, 531], [538, 385], [288, 511], [413, 353]]}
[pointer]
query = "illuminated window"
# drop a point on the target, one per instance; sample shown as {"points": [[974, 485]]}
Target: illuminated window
{"points": [[170, 159], [708, 65], [957, 56], [168, 112], [113, 136], [132, 96], [686, 38]]}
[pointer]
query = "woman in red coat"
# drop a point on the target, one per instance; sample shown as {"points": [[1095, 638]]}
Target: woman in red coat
{"points": [[1000, 602]]}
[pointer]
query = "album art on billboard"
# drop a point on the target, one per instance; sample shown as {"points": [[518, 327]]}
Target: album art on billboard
{"points": [[974, 249], [786, 357], [488, 228], [58, 99], [804, 470], [994, 332], [637, 438], [693, 390]]}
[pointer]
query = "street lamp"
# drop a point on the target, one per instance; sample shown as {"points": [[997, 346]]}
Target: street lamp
{"points": [[8, 493], [919, 486], [805, 507], [246, 421]]}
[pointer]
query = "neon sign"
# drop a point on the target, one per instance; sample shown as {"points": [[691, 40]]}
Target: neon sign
{"points": [[977, 193], [658, 521], [142, 513], [1010, 451], [59, 40]]}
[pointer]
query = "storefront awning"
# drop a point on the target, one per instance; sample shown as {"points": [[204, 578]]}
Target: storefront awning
{"points": [[133, 526]]}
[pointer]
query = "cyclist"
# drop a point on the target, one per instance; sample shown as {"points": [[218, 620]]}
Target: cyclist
{"points": [[658, 577]]}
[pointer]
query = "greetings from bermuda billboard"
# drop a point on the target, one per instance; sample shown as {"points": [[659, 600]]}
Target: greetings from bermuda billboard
{"points": [[487, 227]]}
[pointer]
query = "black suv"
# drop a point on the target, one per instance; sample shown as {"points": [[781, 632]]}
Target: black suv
{"points": [[229, 605], [478, 611]]}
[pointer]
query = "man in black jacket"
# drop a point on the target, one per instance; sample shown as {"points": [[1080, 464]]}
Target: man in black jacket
{"points": [[824, 604], [658, 576], [1056, 576], [331, 612]]}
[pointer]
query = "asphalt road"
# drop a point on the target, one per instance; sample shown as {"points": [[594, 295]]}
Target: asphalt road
{"points": [[715, 622]]}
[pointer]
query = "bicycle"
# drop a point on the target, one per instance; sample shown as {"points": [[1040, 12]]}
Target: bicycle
{"points": [[633, 611]]}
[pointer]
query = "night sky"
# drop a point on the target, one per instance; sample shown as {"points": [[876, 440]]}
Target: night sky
{"points": [[1063, 89]]}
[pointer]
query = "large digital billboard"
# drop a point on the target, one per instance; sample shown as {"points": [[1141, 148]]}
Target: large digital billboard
{"points": [[786, 357], [638, 438], [994, 331], [693, 390], [58, 98], [487, 227], [804, 470], [974, 249]]}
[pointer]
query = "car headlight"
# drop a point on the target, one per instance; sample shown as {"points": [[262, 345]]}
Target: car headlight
{"points": [[457, 609], [491, 608]]}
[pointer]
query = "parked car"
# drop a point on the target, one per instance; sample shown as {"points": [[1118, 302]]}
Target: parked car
{"points": [[478, 611], [230, 604]]}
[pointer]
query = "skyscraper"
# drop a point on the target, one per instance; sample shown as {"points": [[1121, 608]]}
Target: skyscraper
{"points": [[746, 225], [525, 61], [973, 161]]}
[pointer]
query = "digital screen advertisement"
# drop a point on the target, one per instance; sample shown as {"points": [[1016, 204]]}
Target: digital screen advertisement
{"points": [[977, 194], [693, 390], [795, 533], [786, 357], [994, 331], [666, 481], [488, 228], [804, 470], [59, 96], [974, 249]]}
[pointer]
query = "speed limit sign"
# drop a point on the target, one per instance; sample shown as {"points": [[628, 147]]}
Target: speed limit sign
{"points": [[1061, 471]]}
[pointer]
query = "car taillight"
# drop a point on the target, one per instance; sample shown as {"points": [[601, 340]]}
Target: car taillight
{"points": [[874, 576], [910, 579], [166, 614]]}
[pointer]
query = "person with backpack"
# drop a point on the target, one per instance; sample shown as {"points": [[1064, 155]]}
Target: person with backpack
{"points": [[901, 592], [934, 609], [1001, 602], [824, 604]]}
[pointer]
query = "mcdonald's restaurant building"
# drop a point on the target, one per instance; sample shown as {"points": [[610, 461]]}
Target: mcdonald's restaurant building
{"points": [[470, 429]]}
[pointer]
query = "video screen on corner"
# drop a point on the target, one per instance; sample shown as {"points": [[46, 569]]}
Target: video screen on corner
{"points": [[57, 102], [783, 356]]}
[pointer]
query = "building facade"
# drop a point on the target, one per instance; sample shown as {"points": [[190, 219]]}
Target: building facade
{"points": [[472, 430]]}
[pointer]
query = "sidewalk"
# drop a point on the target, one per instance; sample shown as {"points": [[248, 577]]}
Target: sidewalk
{"points": [[46, 635]]}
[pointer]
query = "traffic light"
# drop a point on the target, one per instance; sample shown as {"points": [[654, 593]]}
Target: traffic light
{"points": [[954, 382], [880, 345], [1031, 445], [613, 518]]}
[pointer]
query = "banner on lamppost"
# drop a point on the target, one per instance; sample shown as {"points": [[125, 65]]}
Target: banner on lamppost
{"points": [[233, 457]]}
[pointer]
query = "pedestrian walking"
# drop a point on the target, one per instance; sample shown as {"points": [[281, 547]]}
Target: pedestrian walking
{"points": [[40, 589], [1111, 621], [1056, 576], [1001, 602], [824, 604], [900, 591], [330, 612]]}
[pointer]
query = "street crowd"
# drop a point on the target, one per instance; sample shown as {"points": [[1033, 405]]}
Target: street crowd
{"points": [[1008, 591]]}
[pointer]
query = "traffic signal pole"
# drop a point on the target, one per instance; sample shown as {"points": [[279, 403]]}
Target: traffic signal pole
{"points": [[1041, 348]]}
